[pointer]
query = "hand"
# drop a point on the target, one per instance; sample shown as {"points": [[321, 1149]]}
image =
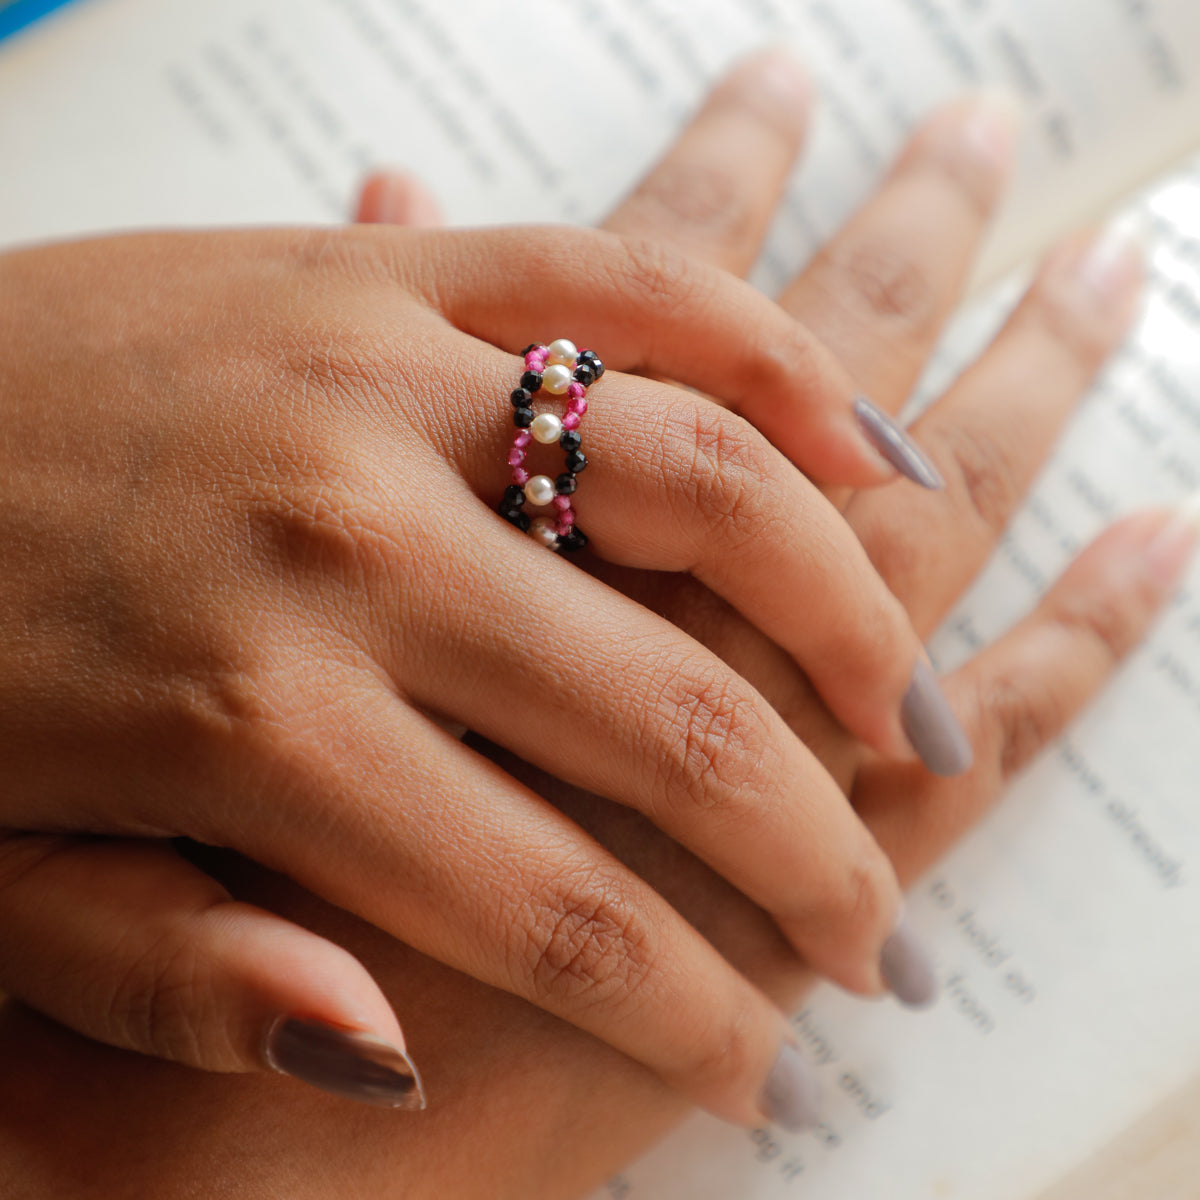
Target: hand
{"points": [[524, 1104], [247, 564], [879, 293]]}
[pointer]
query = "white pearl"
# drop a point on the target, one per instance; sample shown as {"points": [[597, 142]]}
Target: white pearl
{"points": [[540, 490], [542, 530], [562, 353], [546, 428], [556, 379]]}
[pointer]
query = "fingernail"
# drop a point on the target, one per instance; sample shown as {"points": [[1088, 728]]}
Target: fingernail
{"points": [[1113, 266], [1169, 552], [791, 1096], [780, 74], [991, 125], [931, 726], [896, 446], [347, 1063], [907, 967]]}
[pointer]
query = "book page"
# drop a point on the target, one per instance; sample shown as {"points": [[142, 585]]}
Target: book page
{"points": [[124, 113], [1064, 929]]}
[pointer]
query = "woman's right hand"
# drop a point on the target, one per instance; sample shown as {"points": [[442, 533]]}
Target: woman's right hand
{"points": [[249, 570]]}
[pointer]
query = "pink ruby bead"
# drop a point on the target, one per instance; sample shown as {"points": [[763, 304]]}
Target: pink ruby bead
{"points": [[566, 522], [579, 406], [576, 391], [535, 361], [562, 503], [516, 457], [520, 476], [523, 439], [571, 420]]}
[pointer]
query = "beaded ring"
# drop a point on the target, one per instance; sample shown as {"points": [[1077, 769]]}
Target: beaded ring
{"points": [[557, 369]]}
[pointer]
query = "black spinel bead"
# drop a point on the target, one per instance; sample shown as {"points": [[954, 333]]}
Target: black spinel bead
{"points": [[584, 374], [574, 541], [589, 357], [566, 484], [570, 440], [522, 417], [514, 497], [576, 461], [531, 381], [531, 346], [521, 398], [515, 517]]}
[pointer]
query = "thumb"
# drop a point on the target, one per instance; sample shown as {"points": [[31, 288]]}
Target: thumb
{"points": [[127, 943]]}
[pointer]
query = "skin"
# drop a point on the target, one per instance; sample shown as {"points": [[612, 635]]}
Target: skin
{"points": [[523, 1103], [250, 577]]}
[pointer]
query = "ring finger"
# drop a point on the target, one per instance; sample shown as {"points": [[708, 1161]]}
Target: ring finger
{"points": [[670, 731], [991, 432], [682, 485]]}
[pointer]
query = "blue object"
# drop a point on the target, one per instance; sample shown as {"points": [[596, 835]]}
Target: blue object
{"points": [[15, 15]]}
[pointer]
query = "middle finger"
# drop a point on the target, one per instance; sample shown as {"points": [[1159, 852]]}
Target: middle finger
{"points": [[879, 292]]}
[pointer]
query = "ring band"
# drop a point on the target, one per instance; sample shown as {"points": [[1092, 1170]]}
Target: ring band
{"points": [[558, 369]]}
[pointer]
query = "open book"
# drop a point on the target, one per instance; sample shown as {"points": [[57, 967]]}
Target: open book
{"points": [[1066, 929]]}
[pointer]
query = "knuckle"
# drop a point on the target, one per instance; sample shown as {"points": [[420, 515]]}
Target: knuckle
{"points": [[871, 646], [1025, 718], [902, 552], [21, 857], [324, 360], [784, 365], [1053, 306], [711, 744], [856, 902], [163, 1004], [350, 254], [581, 942], [698, 195], [657, 276], [1110, 620], [889, 286], [943, 153], [868, 884], [725, 1055], [726, 471], [984, 470], [313, 511]]}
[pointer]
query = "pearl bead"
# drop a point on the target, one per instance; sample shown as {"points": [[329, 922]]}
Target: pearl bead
{"points": [[540, 490], [547, 428], [562, 353], [543, 531], [556, 379]]}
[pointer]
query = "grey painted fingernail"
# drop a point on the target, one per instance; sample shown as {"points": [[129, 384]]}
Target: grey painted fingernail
{"points": [[791, 1096], [907, 968], [356, 1065], [896, 446], [931, 726]]}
